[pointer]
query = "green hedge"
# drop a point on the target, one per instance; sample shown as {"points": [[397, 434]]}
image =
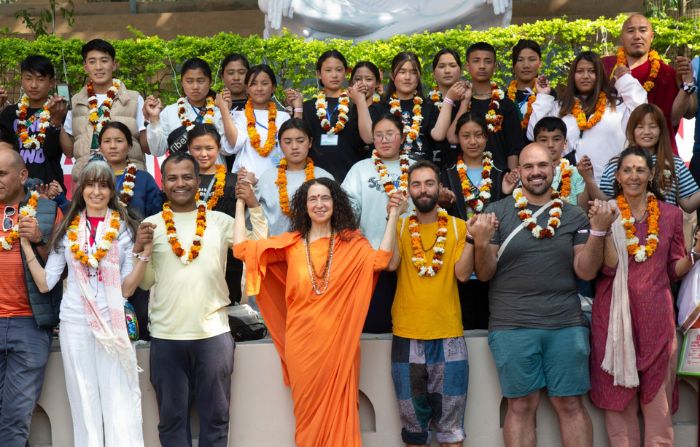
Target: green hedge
{"points": [[147, 63]]}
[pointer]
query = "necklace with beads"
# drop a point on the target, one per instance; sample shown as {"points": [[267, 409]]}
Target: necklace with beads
{"points": [[325, 275]]}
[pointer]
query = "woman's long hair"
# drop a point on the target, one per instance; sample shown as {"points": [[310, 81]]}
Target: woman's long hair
{"points": [[396, 64], [652, 186], [343, 218], [601, 85], [96, 170], [664, 153]]}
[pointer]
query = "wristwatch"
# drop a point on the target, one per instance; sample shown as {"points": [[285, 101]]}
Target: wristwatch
{"points": [[689, 88]]}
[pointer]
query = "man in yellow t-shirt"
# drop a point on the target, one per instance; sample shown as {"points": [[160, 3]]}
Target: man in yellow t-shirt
{"points": [[428, 353], [192, 347]]}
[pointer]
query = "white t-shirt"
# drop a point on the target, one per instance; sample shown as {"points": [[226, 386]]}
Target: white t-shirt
{"points": [[68, 123], [246, 156]]}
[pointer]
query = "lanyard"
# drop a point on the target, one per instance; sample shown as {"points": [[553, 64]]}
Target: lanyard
{"points": [[330, 113], [209, 188], [200, 114]]}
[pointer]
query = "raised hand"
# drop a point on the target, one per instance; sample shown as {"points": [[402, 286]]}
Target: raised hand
{"points": [[144, 237], [28, 228], [446, 197], [398, 204], [223, 100], [601, 214], [510, 181], [358, 93], [293, 98], [58, 108], [585, 168], [543, 85], [457, 90], [684, 71], [482, 227], [620, 71], [152, 107], [245, 192]]}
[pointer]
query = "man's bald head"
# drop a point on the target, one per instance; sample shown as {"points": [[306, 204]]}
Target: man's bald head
{"points": [[13, 175], [13, 158], [534, 150], [637, 18]]}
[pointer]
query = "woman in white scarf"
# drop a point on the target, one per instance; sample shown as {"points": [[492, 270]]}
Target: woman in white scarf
{"points": [[95, 241], [633, 336]]}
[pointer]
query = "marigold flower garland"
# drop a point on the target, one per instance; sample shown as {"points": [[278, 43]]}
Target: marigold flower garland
{"points": [[94, 117], [580, 115], [218, 190], [376, 99], [182, 112], [640, 252], [27, 141], [566, 172], [436, 96], [281, 182], [494, 121], [413, 131], [343, 110], [512, 90], [127, 191], [186, 257], [418, 259], [253, 134], [103, 246], [383, 172], [27, 210], [525, 215], [476, 203], [654, 61]]}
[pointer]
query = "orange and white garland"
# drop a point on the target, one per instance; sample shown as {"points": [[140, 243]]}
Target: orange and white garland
{"points": [[654, 61], [436, 97], [418, 258], [218, 190], [376, 99], [127, 191], [186, 257], [343, 110], [103, 246], [494, 121], [94, 117], [385, 178], [26, 140], [476, 203], [640, 252], [27, 210], [580, 115], [413, 131], [525, 215], [281, 182], [512, 91], [566, 171], [253, 134], [182, 112]]}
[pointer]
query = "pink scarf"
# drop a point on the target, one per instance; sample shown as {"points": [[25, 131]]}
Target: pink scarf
{"points": [[113, 336]]}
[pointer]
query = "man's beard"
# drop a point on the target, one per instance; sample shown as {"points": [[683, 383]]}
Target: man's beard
{"points": [[425, 206], [538, 190]]}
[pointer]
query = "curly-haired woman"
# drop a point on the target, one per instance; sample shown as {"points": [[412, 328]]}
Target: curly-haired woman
{"points": [[316, 309]]}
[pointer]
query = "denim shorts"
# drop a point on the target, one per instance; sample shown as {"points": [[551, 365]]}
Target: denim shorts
{"points": [[530, 359]]}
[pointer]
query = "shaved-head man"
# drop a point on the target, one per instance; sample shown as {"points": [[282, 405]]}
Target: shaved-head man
{"points": [[532, 246], [672, 90], [27, 316]]}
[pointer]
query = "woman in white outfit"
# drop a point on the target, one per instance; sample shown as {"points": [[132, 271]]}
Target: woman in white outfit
{"points": [[95, 241]]}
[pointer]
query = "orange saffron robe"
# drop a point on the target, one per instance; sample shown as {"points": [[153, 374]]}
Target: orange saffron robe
{"points": [[317, 336]]}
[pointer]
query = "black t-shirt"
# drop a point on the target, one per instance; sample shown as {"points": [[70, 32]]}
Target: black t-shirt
{"points": [[338, 158], [421, 149], [521, 97], [226, 205], [238, 104], [43, 163], [444, 153], [449, 177], [509, 140]]}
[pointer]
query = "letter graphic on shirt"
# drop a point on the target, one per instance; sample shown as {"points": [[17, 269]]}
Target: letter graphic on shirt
{"points": [[31, 156]]}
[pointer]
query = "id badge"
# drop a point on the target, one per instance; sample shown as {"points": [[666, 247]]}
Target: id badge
{"points": [[329, 140]]}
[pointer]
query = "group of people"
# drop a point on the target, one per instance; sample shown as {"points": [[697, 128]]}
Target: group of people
{"points": [[367, 208]]}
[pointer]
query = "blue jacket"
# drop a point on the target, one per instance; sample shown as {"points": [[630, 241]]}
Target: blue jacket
{"points": [[147, 199]]}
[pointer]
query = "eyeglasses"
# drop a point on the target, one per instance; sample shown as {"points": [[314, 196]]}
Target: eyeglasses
{"points": [[391, 136], [7, 218]]}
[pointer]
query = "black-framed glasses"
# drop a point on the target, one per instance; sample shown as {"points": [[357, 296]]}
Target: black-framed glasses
{"points": [[7, 218]]}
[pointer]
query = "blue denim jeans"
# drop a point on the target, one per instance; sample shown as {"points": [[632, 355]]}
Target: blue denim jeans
{"points": [[24, 351]]}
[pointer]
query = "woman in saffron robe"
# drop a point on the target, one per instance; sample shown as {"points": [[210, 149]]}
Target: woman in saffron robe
{"points": [[314, 286]]}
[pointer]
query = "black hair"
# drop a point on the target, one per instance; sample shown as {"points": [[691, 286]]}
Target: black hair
{"points": [[233, 57], [98, 45], [368, 65], [471, 117], [255, 70], [9, 137], [398, 122], [443, 52], [396, 63], [525, 44], [177, 157], [202, 129], [422, 164], [196, 63], [550, 124], [343, 218], [120, 127], [38, 65], [481, 46], [639, 152], [335, 54], [295, 123]]}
